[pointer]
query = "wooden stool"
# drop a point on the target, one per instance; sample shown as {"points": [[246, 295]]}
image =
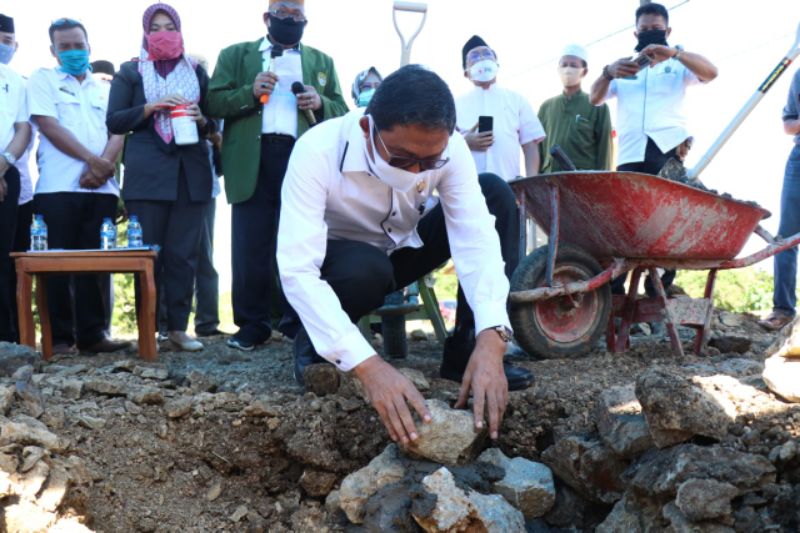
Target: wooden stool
{"points": [[39, 264]]}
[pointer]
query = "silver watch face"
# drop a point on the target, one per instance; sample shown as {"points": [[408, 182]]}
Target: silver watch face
{"points": [[8, 156]]}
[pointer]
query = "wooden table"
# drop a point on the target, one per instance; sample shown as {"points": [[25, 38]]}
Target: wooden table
{"points": [[40, 264]]}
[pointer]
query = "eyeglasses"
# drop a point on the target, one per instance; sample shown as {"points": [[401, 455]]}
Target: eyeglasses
{"points": [[404, 163], [481, 53], [285, 13]]}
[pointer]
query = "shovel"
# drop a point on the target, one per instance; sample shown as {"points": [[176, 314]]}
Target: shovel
{"points": [[412, 7], [675, 170]]}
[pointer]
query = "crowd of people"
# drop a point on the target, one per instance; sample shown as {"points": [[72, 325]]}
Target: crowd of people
{"points": [[332, 209]]}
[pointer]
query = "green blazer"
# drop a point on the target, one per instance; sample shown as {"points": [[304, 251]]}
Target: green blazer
{"points": [[230, 97]]}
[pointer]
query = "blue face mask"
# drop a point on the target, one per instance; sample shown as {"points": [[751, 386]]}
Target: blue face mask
{"points": [[75, 62], [364, 97], [6, 53]]}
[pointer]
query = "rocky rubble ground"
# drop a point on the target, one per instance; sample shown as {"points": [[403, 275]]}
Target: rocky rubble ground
{"points": [[641, 441]]}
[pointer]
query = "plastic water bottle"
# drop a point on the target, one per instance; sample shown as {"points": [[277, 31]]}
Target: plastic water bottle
{"points": [[135, 239], [38, 234], [108, 235]]}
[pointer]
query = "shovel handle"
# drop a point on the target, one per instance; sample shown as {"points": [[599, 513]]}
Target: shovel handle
{"points": [[416, 7]]}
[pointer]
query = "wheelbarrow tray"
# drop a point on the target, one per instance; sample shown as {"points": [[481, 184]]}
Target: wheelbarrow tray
{"points": [[639, 216]]}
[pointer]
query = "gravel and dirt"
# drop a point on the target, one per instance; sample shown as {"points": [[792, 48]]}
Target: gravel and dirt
{"points": [[225, 441]]}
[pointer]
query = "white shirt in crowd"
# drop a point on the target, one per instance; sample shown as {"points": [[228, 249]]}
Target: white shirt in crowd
{"points": [[280, 112], [515, 124], [651, 105], [13, 105], [24, 167], [329, 193], [78, 107]]}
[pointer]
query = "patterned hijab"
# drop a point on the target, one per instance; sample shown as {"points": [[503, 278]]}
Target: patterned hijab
{"points": [[163, 78]]}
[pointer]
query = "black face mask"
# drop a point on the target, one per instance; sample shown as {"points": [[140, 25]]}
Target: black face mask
{"points": [[286, 31], [649, 37]]}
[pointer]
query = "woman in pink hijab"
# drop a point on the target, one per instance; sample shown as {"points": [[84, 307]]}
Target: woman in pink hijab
{"points": [[166, 185]]}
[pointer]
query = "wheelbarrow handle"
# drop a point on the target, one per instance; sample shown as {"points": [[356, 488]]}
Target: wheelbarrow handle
{"points": [[562, 159]]}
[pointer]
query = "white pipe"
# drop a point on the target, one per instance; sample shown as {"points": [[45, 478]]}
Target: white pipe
{"points": [[726, 134]]}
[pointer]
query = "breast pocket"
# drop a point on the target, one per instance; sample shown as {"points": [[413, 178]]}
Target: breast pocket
{"points": [[69, 110]]}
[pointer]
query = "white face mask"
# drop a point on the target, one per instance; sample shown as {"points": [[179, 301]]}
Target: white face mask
{"points": [[484, 70], [570, 76], [396, 178]]}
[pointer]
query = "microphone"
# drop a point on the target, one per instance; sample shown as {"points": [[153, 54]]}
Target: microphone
{"points": [[298, 88], [277, 51]]}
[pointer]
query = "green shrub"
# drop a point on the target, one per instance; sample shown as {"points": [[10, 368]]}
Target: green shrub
{"points": [[740, 290]]}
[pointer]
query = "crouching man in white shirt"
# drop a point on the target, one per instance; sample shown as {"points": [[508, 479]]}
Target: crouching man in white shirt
{"points": [[359, 219]]}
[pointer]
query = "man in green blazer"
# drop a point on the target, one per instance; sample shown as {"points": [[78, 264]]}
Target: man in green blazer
{"points": [[251, 90]]}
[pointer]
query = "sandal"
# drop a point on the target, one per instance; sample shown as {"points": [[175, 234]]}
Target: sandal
{"points": [[776, 321]]}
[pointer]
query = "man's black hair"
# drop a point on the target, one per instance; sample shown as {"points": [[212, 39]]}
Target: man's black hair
{"points": [[652, 9], [65, 24], [413, 95]]}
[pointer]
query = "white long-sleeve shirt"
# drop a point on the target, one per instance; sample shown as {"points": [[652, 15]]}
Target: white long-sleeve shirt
{"points": [[329, 193]]}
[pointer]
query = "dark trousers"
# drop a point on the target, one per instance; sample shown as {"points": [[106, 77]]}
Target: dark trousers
{"points": [[784, 296], [73, 222], [22, 243], [254, 230], [8, 224], [362, 275], [654, 161], [206, 287], [175, 227]]}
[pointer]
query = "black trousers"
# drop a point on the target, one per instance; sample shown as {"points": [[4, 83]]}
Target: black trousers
{"points": [[22, 243], [176, 228], [206, 292], [78, 309], [8, 224], [254, 230], [362, 275], [654, 161]]}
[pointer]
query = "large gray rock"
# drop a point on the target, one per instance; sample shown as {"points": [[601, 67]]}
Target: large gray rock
{"points": [[357, 488], [106, 387], [704, 499], [620, 422], [447, 507], [632, 515], [528, 486], [782, 376], [587, 466], [679, 523], [6, 398], [15, 356], [450, 438], [677, 409], [26, 430], [661, 472]]}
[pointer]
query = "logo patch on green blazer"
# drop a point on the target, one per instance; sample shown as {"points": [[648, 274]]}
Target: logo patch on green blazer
{"points": [[322, 79]]}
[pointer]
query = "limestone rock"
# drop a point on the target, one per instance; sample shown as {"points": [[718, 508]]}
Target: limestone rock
{"points": [[15, 356], [679, 523], [676, 409], [587, 466], [357, 488], [30, 456], [450, 438], [106, 387], [56, 488], [179, 407], [782, 376], [321, 379], [417, 378], [620, 422], [661, 472], [6, 398], [317, 483], [32, 481], [146, 396], [199, 382], [704, 499], [527, 485], [151, 372], [72, 389], [262, 407], [214, 492], [389, 510], [449, 508], [26, 430]]}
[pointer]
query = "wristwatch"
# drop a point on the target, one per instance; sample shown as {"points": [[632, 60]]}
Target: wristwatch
{"points": [[505, 333], [679, 49], [606, 74], [8, 156]]}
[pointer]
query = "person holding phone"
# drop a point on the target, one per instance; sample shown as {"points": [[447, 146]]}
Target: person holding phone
{"points": [[495, 121]]}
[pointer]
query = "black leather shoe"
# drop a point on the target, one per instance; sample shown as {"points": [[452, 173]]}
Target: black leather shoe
{"points": [[304, 355], [456, 356]]}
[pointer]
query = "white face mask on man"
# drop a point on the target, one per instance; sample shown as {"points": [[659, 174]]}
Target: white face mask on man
{"points": [[484, 70], [570, 76], [396, 178]]}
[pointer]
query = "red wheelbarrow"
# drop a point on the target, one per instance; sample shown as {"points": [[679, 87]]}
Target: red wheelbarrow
{"points": [[605, 224]]}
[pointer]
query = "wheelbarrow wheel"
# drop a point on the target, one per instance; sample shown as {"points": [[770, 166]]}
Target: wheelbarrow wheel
{"points": [[566, 326]]}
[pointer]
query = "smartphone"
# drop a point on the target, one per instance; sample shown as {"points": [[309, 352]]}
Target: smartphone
{"points": [[485, 123], [642, 61]]}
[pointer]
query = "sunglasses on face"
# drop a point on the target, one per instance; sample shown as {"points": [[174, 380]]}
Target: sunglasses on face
{"points": [[405, 163]]}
